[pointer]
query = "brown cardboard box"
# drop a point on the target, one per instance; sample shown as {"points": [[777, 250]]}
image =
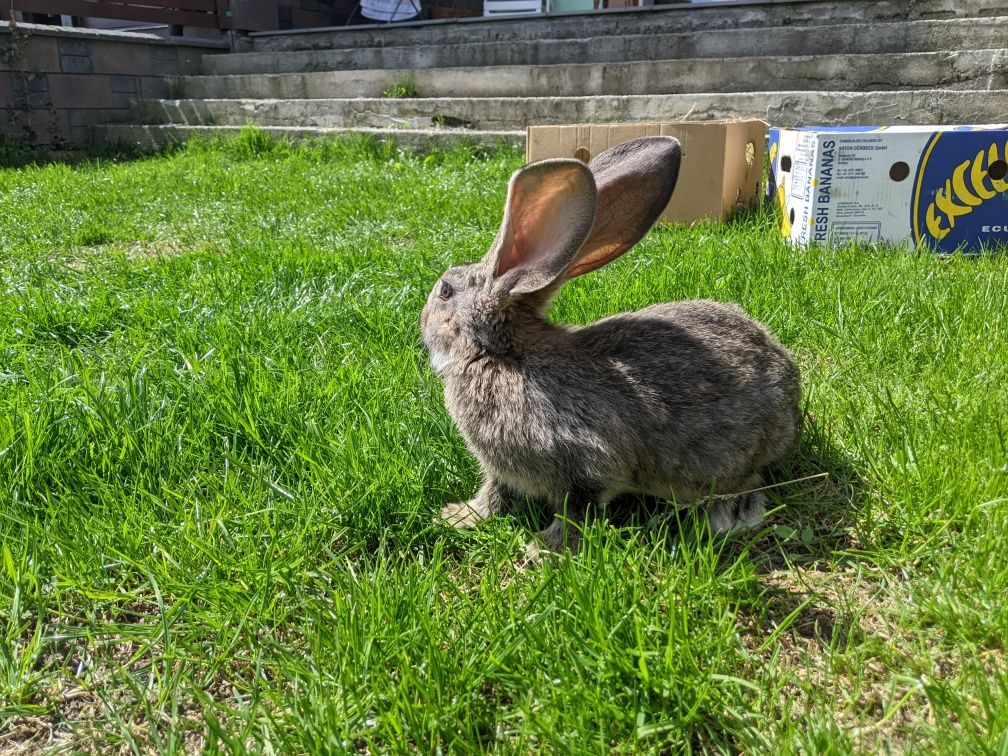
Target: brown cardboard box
{"points": [[722, 161]]}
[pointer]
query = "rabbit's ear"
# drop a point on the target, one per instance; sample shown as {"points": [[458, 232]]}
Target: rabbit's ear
{"points": [[549, 212], [635, 181]]}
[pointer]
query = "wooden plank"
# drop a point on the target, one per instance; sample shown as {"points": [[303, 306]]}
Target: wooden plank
{"points": [[169, 13], [182, 5], [147, 13], [203, 6], [511, 7], [199, 6]]}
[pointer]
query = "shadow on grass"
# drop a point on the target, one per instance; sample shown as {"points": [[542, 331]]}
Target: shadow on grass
{"points": [[246, 143], [815, 500], [802, 547]]}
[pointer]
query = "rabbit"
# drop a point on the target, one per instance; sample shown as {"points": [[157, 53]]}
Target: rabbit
{"points": [[689, 400]]}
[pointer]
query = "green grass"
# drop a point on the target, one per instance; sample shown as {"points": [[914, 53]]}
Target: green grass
{"points": [[222, 454], [403, 86]]}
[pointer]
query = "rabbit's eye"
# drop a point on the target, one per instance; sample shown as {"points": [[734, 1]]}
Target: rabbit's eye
{"points": [[446, 291]]}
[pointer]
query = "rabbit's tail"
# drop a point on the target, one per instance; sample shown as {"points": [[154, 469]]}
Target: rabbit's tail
{"points": [[740, 512]]}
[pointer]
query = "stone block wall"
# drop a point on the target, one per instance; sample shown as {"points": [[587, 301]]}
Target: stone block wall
{"points": [[56, 82]]}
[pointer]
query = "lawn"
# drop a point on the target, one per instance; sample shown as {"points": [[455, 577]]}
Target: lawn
{"points": [[222, 453]]}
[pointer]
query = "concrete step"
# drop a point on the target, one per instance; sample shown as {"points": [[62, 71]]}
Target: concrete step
{"points": [[149, 138], [858, 38], [683, 18], [974, 69], [781, 108]]}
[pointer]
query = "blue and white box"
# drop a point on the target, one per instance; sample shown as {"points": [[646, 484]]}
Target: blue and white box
{"points": [[943, 187]]}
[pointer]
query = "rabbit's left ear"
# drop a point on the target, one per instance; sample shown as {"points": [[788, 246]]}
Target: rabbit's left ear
{"points": [[550, 211], [635, 181]]}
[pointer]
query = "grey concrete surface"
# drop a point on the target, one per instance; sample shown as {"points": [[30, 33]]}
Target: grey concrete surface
{"points": [[657, 20], [782, 108], [789, 62], [857, 38], [971, 69]]}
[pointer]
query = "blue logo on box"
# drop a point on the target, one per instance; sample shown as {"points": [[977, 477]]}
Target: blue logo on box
{"points": [[960, 190]]}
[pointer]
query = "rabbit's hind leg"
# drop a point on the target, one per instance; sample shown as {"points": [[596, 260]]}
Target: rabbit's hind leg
{"points": [[565, 531], [739, 512]]}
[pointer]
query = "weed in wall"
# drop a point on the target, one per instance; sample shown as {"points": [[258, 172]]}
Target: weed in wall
{"points": [[402, 88], [15, 152]]}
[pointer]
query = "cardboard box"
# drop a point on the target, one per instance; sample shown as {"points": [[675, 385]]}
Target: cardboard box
{"points": [[943, 187], [721, 169]]}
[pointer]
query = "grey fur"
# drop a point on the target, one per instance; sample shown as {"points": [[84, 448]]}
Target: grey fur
{"points": [[679, 400]]}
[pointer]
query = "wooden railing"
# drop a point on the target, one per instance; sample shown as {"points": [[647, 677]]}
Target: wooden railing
{"points": [[214, 14]]}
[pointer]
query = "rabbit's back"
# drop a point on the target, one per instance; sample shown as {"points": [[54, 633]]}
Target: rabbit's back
{"points": [[688, 392]]}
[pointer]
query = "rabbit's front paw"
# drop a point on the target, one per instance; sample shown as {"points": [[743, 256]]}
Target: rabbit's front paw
{"points": [[463, 514]]}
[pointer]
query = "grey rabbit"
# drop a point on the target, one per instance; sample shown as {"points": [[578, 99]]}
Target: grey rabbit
{"points": [[678, 400]]}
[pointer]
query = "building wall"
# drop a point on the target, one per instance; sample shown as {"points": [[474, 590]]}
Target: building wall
{"points": [[56, 82]]}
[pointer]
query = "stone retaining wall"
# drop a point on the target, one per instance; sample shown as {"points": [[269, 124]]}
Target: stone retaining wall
{"points": [[56, 82]]}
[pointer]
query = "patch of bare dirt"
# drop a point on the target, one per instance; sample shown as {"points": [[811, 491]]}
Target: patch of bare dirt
{"points": [[841, 637], [99, 694], [158, 249]]}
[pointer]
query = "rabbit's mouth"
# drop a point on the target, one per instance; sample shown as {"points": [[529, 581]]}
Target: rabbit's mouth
{"points": [[439, 361], [440, 357]]}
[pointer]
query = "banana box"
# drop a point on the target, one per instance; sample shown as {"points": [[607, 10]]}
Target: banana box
{"points": [[943, 187]]}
